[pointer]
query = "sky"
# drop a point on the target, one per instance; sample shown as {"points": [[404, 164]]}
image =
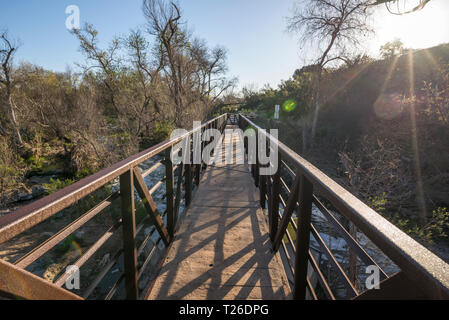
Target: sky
{"points": [[260, 51]]}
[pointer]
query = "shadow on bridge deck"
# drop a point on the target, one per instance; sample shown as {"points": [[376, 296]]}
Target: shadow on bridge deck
{"points": [[222, 249]]}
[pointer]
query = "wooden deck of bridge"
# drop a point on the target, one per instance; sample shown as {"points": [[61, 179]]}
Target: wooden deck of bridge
{"points": [[222, 249]]}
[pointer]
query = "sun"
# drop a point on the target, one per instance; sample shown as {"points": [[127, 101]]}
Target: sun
{"points": [[417, 30]]}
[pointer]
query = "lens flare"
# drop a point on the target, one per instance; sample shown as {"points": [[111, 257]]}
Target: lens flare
{"points": [[77, 248], [388, 106], [289, 105], [249, 131]]}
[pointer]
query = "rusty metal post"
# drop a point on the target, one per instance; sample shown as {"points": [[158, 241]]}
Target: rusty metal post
{"points": [[275, 189], [303, 238], [188, 178], [197, 174], [188, 182], [256, 167], [169, 187], [262, 190], [263, 181], [274, 213], [206, 143], [197, 145], [129, 235]]}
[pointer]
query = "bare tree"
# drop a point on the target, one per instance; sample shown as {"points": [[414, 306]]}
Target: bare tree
{"points": [[130, 89], [332, 27], [8, 48], [147, 69], [194, 74], [102, 59], [163, 22], [209, 69]]}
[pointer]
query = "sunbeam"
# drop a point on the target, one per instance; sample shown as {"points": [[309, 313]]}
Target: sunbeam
{"points": [[431, 58], [415, 146], [388, 106], [331, 95]]}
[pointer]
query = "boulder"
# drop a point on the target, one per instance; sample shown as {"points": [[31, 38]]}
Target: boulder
{"points": [[25, 196], [39, 179], [37, 191]]}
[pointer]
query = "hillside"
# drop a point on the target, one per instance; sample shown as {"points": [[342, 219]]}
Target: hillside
{"points": [[382, 132]]}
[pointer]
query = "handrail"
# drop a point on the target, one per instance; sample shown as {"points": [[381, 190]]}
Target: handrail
{"points": [[417, 263], [22, 284], [131, 177], [38, 211], [422, 268]]}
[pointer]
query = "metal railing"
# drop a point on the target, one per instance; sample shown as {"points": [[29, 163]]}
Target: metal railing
{"points": [[422, 274], [16, 282], [289, 195]]}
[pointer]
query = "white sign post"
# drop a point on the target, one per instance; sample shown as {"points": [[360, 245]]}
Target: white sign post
{"points": [[276, 111]]}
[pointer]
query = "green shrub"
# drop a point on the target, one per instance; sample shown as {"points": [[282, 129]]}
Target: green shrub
{"points": [[65, 244], [36, 163], [378, 203], [140, 213], [434, 228], [11, 167], [56, 184], [84, 173], [429, 232], [161, 131]]}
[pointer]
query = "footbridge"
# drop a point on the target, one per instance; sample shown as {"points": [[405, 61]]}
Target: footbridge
{"points": [[151, 228]]}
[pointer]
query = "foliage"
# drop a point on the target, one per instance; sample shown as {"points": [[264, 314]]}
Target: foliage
{"points": [[130, 94], [298, 89], [391, 49], [434, 229], [378, 202], [11, 168], [428, 232], [160, 132], [436, 95], [67, 244], [57, 184], [334, 29]]}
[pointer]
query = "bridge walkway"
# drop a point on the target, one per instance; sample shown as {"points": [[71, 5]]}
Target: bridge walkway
{"points": [[222, 249]]}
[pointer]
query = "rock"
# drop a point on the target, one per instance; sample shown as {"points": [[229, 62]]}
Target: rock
{"points": [[38, 191], [14, 197], [48, 234], [105, 260], [147, 230], [45, 174], [60, 214], [78, 234], [56, 172], [39, 179], [25, 196]]}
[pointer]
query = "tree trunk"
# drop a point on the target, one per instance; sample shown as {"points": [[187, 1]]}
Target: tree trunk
{"points": [[317, 105], [14, 123]]}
